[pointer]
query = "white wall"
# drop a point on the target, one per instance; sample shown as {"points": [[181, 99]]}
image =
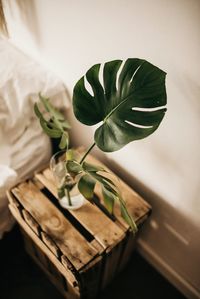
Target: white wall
{"points": [[70, 36]]}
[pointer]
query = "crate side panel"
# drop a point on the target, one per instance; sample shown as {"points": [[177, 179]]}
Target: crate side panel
{"points": [[52, 221], [90, 278], [43, 256], [111, 262]]}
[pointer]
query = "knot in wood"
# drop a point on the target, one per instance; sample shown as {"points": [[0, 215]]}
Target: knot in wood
{"points": [[55, 221]]}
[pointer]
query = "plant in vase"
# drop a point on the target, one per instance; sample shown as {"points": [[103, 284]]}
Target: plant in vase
{"points": [[129, 105]]}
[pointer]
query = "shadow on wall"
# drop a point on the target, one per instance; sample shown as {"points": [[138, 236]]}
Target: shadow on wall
{"points": [[160, 205], [169, 234]]}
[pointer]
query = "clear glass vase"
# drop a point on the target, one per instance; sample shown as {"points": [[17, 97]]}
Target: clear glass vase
{"points": [[68, 194]]}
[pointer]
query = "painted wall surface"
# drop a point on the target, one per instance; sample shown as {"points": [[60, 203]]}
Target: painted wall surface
{"points": [[70, 36]]}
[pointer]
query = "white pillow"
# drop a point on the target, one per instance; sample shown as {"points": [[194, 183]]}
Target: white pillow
{"points": [[23, 145]]}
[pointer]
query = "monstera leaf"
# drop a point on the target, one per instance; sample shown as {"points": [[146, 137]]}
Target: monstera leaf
{"points": [[129, 104]]}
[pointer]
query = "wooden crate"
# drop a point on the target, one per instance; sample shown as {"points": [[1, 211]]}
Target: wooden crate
{"points": [[82, 250]]}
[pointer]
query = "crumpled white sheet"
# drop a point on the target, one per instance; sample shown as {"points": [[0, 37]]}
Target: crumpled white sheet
{"points": [[23, 145]]}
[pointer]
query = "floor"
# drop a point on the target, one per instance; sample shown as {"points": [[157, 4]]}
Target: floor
{"points": [[21, 279]]}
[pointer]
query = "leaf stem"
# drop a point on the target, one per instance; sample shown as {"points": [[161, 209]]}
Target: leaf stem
{"points": [[88, 151], [68, 197]]}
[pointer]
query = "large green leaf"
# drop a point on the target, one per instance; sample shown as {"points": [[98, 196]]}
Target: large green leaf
{"points": [[130, 102]]}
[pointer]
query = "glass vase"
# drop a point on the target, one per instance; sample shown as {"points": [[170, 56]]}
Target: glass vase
{"points": [[69, 196]]}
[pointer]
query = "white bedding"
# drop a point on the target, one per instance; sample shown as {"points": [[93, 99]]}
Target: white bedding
{"points": [[23, 145]]}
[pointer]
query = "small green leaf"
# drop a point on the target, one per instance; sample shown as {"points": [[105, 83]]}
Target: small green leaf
{"points": [[92, 168], [74, 167], [109, 199], [61, 192], [64, 141], [127, 217], [53, 133], [104, 178], [37, 111], [53, 125], [105, 181], [86, 186], [57, 114], [49, 107], [40, 115]]}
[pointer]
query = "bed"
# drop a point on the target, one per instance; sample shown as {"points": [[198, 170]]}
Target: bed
{"points": [[23, 145]]}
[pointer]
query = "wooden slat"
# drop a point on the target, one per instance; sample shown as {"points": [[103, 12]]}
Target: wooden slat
{"points": [[50, 244], [72, 292], [31, 222], [52, 221], [14, 202], [29, 244], [67, 264], [40, 255], [129, 245], [54, 275], [104, 230], [90, 278], [46, 178], [112, 261], [97, 245], [37, 183]]}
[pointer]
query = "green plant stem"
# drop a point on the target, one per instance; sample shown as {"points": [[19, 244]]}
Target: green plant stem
{"points": [[68, 197], [88, 151]]}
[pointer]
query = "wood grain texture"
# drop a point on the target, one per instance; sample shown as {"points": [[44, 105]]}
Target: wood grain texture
{"points": [[66, 237], [51, 244], [111, 262], [31, 222], [73, 292], [128, 247], [51, 271], [14, 202], [90, 278], [104, 230]]}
